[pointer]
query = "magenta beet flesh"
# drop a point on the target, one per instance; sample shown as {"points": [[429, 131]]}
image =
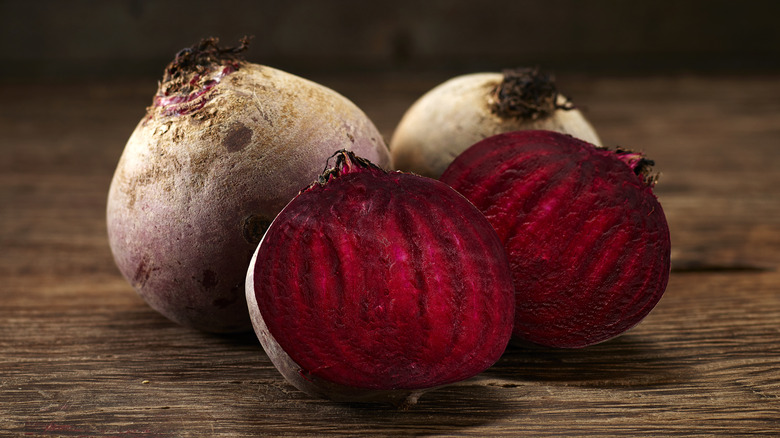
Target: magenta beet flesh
{"points": [[587, 240], [371, 285]]}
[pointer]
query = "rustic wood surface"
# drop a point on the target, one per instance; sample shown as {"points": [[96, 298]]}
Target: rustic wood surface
{"points": [[82, 355]]}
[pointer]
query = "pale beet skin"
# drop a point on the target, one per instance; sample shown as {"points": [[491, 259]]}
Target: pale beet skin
{"points": [[376, 286], [587, 240], [463, 110], [224, 147]]}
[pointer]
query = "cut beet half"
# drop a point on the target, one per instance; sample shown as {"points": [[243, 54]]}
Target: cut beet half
{"points": [[587, 240], [374, 286]]}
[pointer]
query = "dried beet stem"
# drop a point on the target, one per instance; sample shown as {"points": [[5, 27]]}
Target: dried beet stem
{"points": [[198, 59], [527, 93], [190, 79], [642, 166], [346, 162]]}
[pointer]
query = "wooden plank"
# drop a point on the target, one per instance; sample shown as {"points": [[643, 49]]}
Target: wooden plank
{"points": [[701, 363], [82, 355]]}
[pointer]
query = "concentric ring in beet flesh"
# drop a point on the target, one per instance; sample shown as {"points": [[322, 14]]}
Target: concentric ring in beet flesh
{"points": [[381, 280], [587, 240]]}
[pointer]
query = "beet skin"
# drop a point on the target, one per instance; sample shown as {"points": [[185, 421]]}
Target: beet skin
{"points": [[224, 147]]}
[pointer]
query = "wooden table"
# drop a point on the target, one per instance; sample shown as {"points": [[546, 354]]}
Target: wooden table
{"points": [[82, 355]]}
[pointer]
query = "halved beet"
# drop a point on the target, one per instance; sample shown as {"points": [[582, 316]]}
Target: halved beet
{"points": [[587, 240], [374, 286]]}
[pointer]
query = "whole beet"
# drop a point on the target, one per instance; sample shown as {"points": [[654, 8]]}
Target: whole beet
{"points": [[224, 147], [461, 111]]}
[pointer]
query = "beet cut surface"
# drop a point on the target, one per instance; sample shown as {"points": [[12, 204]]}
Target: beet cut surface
{"points": [[587, 240], [370, 281]]}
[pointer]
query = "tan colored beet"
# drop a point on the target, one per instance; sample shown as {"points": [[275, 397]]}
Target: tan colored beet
{"points": [[454, 115], [209, 167]]}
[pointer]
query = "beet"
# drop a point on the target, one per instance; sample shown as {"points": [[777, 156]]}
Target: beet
{"points": [[224, 147], [587, 240], [375, 286], [452, 116]]}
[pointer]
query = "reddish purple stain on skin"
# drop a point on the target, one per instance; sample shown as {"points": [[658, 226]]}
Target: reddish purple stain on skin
{"points": [[209, 280], [237, 138]]}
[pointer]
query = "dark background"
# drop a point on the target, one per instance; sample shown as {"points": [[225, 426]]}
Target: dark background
{"points": [[136, 38]]}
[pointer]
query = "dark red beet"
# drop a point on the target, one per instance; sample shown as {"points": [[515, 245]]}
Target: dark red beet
{"points": [[587, 240], [374, 285]]}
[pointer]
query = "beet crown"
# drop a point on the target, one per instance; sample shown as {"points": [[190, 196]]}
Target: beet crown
{"points": [[527, 93], [194, 72]]}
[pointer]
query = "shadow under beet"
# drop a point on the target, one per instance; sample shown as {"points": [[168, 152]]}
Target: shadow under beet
{"points": [[441, 411], [627, 361], [447, 411]]}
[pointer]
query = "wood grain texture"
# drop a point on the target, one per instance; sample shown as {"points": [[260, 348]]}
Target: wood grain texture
{"points": [[82, 355]]}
